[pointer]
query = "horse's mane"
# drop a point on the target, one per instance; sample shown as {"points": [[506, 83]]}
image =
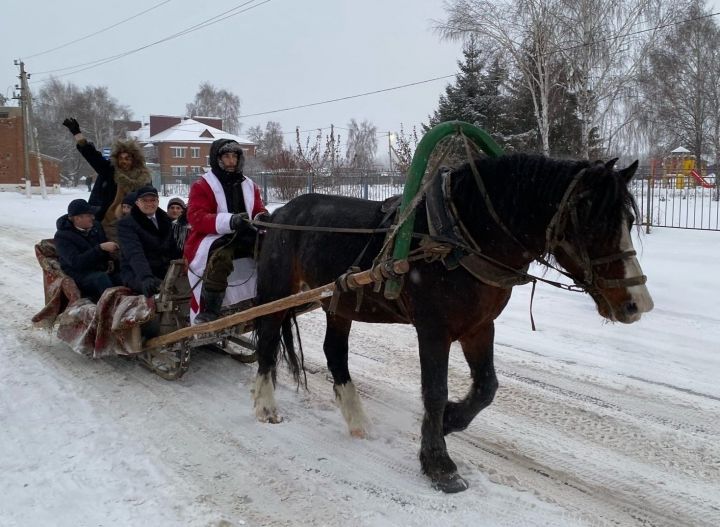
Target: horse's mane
{"points": [[527, 188]]}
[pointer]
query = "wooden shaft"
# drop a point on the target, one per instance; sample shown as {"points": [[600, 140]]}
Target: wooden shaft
{"points": [[243, 316], [354, 281]]}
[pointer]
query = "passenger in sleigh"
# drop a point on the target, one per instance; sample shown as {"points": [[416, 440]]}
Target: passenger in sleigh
{"points": [[221, 242], [177, 211], [146, 243], [84, 251], [124, 172]]}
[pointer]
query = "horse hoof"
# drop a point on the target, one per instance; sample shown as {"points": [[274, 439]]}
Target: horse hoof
{"points": [[266, 416], [450, 484], [358, 433]]}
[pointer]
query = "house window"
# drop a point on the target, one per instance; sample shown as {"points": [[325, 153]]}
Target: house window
{"points": [[178, 152], [197, 171], [195, 152], [178, 171]]}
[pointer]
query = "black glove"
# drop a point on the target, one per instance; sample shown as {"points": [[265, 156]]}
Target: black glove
{"points": [[150, 286], [72, 125], [263, 216], [239, 221]]}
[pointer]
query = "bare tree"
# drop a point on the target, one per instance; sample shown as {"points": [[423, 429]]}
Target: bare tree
{"points": [[271, 151], [319, 156], [93, 107], [211, 102], [601, 48], [678, 85], [713, 65], [361, 144], [3, 100]]}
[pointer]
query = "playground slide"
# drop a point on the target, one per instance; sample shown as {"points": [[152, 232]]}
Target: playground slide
{"points": [[700, 179]]}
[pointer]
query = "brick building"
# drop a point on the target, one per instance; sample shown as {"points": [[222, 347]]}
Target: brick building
{"points": [[179, 146], [12, 160]]}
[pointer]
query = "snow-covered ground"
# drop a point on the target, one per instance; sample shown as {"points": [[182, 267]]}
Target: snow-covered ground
{"points": [[594, 423]]}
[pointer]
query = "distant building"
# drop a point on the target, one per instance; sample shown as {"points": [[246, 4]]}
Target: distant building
{"points": [[12, 159], [177, 148]]}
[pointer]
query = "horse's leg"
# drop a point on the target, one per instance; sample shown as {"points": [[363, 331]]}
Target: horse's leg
{"points": [[268, 345], [436, 463], [478, 349], [346, 396]]}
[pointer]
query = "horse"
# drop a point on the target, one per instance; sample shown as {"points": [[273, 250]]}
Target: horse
{"points": [[499, 214]]}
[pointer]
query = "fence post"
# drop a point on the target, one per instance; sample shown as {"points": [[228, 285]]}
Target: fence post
{"points": [[309, 182], [263, 178], [648, 206]]}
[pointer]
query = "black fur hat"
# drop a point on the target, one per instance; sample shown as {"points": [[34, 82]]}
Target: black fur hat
{"points": [[223, 146]]}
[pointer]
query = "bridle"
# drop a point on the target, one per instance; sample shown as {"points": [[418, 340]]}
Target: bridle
{"points": [[554, 238], [590, 282]]}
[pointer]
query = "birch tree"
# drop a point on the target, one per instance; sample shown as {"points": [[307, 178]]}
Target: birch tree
{"points": [[213, 102], [678, 84], [603, 49], [361, 144], [522, 30]]}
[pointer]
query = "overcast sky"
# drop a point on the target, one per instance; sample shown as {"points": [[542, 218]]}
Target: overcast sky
{"points": [[279, 54], [282, 53]]}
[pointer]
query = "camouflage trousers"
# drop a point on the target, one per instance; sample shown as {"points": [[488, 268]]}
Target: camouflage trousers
{"points": [[220, 260]]}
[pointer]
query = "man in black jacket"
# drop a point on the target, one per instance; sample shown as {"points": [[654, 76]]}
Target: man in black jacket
{"points": [[124, 172], [84, 251], [146, 243]]}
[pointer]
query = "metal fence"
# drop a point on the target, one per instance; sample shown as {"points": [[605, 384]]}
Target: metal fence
{"points": [[282, 186], [676, 201]]}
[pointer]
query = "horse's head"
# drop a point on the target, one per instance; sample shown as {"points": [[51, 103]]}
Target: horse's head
{"points": [[590, 237]]}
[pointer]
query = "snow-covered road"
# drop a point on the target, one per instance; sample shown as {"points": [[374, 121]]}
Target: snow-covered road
{"points": [[594, 423]]}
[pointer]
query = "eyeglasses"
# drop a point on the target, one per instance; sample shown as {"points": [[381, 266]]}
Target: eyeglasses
{"points": [[149, 200]]}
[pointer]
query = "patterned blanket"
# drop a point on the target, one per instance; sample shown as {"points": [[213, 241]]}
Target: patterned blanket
{"points": [[110, 327]]}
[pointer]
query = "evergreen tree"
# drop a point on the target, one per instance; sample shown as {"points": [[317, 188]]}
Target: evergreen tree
{"points": [[477, 95]]}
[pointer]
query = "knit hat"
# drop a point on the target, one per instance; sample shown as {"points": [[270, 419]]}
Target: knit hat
{"points": [[79, 206], [146, 191], [129, 199], [177, 201]]}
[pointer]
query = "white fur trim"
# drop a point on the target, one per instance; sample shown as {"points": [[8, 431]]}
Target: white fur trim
{"points": [[243, 279], [222, 222]]}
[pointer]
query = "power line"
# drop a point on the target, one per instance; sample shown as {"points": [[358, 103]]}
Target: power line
{"points": [[97, 32], [347, 97], [205, 23], [327, 101]]}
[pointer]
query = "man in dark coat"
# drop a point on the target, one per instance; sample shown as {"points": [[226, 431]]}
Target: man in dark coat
{"points": [[124, 172], [84, 251], [146, 243]]}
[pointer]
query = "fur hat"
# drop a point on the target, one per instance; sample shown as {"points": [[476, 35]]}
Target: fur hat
{"points": [[177, 201], [146, 191], [130, 198], [223, 146], [79, 206]]}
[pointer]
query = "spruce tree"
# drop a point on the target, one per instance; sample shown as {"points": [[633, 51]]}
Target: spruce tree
{"points": [[476, 96]]}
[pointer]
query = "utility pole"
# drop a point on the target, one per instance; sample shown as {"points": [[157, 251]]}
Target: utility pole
{"points": [[26, 130], [31, 136], [390, 150]]}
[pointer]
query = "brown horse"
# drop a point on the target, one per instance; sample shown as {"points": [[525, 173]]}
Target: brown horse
{"points": [[510, 211]]}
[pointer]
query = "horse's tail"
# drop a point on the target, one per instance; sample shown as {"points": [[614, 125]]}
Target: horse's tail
{"points": [[295, 359]]}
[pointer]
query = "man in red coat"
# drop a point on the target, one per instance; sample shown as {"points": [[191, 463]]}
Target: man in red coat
{"points": [[220, 246]]}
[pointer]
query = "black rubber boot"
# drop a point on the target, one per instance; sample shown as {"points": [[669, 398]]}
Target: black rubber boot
{"points": [[211, 301]]}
